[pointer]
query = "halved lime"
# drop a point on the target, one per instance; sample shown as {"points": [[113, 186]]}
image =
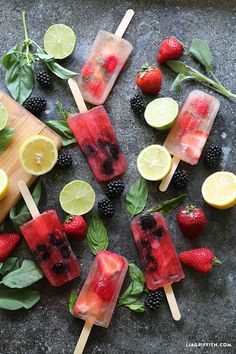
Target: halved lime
{"points": [[77, 197], [3, 116], [161, 113], [59, 41], [154, 162]]}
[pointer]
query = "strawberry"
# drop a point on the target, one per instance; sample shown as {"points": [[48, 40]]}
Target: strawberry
{"points": [[87, 71], [104, 288], [110, 63], [96, 87], [109, 263], [170, 49], [200, 259], [200, 106], [7, 243], [187, 122], [76, 227], [149, 79], [194, 143], [191, 221]]}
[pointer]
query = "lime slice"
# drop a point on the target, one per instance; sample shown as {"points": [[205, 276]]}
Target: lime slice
{"points": [[219, 190], [77, 197], [4, 183], [3, 116], [161, 113], [59, 41], [154, 162]]}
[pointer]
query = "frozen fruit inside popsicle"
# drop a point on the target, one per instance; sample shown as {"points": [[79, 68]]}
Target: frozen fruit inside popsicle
{"points": [[110, 63], [104, 288], [109, 263], [187, 122], [193, 143], [200, 105], [89, 302], [96, 87], [87, 71]]}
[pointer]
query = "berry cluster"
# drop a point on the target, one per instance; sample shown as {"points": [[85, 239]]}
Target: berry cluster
{"points": [[113, 189], [154, 299]]}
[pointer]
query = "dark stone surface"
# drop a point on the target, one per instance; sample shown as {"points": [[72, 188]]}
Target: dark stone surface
{"points": [[206, 301]]}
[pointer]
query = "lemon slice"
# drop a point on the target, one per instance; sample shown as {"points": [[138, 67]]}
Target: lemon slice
{"points": [[77, 197], [3, 116], [161, 113], [154, 162], [219, 190], [4, 183], [38, 154], [59, 41]]}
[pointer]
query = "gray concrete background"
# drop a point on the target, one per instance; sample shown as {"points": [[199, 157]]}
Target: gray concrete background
{"points": [[206, 301]]}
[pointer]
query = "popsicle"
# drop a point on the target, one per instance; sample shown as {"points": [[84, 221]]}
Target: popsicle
{"points": [[157, 255], [188, 136], [45, 237], [96, 138], [98, 296], [107, 57]]}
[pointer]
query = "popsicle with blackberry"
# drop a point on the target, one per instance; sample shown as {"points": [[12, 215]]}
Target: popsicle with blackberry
{"points": [[97, 139], [157, 255], [188, 136], [45, 237], [107, 57], [98, 296]]}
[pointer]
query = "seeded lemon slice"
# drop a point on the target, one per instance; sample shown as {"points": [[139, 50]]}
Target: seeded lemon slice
{"points": [[154, 162], [38, 154], [77, 197], [219, 190], [59, 41], [4, 183], [161, 113], [3, 116]]}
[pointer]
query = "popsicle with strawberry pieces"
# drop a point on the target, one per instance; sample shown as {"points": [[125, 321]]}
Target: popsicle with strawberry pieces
{"points": [[188, 136]]}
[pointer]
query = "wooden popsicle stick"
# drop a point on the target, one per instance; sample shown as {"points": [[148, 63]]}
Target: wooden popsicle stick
{"points": [[28, 199], [124, 23], [77, 95], [166, 181], [83, 338], [172, 302]]}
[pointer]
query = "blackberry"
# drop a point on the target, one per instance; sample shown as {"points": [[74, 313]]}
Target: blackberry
{"points": [[114, 188], [44, 78], [107, 167], [56, 240], [154, 299], [158, 233], [180, 179], [137, 104], [59, 268], [42, 252], [147, 221], [212, 155], [35, 105], [106, 208], [64, 160]]}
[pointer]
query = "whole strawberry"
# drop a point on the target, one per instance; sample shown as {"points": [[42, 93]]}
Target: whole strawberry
{"points": [[75, 226], [170, 49], [149, 79], [191, 221], [200, 259], [7, 243]]}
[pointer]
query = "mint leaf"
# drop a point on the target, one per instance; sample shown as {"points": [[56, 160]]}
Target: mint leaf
{"points": [[11, 263], [136, 198], [64, 114], [200, 51], [97, 237], [62, 129], [167, 206], [73, 298], [15, 299], [5, 138], [136, 306]]}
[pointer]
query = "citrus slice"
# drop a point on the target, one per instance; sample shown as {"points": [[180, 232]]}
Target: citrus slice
{"points": [[161, 113], [59, 41], [38, 154], [219, 190], [4, 183], [3, 116], [154, 162], [77, 197]]}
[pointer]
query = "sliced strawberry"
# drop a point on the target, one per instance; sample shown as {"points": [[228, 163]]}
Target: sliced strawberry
{"points": [[88, 302], [96, 87], [87, 71], [109, 263], [200, 106], [104, 288], [110, 63], [194, 143], [187, 122], [7, 244]]}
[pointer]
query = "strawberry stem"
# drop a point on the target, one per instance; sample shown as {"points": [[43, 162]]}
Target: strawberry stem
{"points": [[216, 262]]}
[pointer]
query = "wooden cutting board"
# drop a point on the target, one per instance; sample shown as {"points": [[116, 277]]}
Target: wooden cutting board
{"points": [[26, 125]]}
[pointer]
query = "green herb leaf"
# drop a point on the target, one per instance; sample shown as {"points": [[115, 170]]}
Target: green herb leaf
{"points": [[43, 56], [11, 57], [64, 114], [62, 129], [5, 138], [59, 71], [11, 263], [135, 273], [200, 51], [73, 298], [177, 84], [167, 206], [2, 226], [14, 299], [97, 237], [136, 306], [179, 67], [136, 198]]}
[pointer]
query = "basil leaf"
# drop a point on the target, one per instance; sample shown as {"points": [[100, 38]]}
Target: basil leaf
{"points": [[167, 206], [136, 198], [61, 128], [5, 138], [136, 273], [11, 263], [200, 51], [11, 57], [59, 71], [177, 85], [64, 114], [179, 67], [14, 299], [73, 298], [20, 81], [43, 56], [136, 306], [97, 237]]}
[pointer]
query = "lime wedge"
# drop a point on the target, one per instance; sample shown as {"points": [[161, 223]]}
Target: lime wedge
{"points": [[77, 197], [154, 162], [59, 41], [161, 113], [3, 116]]}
